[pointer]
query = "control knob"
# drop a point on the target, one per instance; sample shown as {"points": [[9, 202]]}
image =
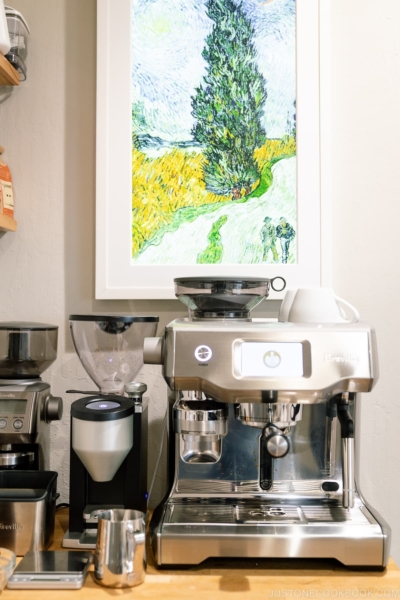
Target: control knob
{"points": [[135, 390], [276, 442], [53, 409]]}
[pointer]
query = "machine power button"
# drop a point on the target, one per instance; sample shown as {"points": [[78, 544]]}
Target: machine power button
{"points": [[3, 423], [203, 353], [18, 424]]}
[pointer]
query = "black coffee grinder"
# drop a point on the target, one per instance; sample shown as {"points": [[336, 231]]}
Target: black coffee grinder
{"points": [[108, 452]]}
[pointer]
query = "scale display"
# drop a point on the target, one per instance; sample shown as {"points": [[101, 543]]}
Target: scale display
{"points": [[269, 359]]}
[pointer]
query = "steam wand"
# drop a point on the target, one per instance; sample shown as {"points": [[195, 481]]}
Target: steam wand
{"points": [[347, 433]]}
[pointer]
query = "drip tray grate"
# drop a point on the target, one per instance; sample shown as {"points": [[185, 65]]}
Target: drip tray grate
{"points": [[268, 514], [259, 514]]}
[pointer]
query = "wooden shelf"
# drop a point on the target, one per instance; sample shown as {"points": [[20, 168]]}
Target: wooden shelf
{"points": [[8, 75], [7, 223]]}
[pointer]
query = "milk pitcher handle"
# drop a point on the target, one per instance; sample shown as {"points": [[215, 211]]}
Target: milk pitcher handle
{"points": [[356, 314]]}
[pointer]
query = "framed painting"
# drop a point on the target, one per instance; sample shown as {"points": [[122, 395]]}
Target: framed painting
{"points": [[212, 143]]}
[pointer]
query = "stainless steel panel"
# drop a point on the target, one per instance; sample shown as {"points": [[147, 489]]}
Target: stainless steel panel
{"points": [[341, 359], [300, 473], [80, 541], [362, 546], [24, 526], [369, 510]]}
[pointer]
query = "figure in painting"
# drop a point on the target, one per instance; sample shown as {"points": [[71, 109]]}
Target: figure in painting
{"points": [[285, 233], [268, 238]]}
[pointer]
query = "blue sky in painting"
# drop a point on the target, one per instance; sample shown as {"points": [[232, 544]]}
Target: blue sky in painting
{"points": [[167, 41]]}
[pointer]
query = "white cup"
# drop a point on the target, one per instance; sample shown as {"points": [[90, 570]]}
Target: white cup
{"points": [[316, 305], [286, 305]]}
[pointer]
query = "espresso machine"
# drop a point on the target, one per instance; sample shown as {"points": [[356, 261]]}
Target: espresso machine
{"points": [[108, 450], [27, 406], [263, 433]]}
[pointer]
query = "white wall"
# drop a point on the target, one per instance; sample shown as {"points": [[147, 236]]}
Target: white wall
{"points": [[47, 267], [366, 219]]}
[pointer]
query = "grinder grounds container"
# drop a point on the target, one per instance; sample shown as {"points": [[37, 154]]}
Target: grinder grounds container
{"points": [[27, 510]]}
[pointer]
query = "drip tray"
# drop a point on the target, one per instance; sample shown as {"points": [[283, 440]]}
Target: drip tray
{"points": [[213, 514]]}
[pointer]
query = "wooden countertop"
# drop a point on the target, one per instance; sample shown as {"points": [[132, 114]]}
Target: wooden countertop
{"points": [[241, 579]]}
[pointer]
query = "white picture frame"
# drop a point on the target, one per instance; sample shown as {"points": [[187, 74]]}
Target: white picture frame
{"points": [[116, 276]]}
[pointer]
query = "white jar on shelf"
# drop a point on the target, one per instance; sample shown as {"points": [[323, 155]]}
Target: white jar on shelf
{"points": [[18, 30], [5, 44]]}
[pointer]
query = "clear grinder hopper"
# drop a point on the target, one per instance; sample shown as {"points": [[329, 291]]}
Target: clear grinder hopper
{"points": [[110, 348]]}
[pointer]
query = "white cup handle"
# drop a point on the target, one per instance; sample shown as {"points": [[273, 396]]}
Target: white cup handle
{"points": [[356, 314]]}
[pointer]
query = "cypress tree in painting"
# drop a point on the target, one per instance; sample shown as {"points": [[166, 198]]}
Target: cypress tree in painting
{"points": [[228, 105]]}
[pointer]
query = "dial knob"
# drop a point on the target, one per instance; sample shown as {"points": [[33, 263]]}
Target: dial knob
{"points": [[135, 389], [53, 409], [277, 444]]}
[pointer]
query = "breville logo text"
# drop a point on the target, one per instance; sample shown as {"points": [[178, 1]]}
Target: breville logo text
{"points": [[344, 358], [13, 526], [7, 396]]}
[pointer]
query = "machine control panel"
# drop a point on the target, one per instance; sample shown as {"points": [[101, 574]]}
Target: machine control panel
{"points": [[302, 363], [14, 413], [277, 359]]}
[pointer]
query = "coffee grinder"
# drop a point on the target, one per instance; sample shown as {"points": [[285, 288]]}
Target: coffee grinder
{"points": [[108, 451], [27, 406], [263, 433]]}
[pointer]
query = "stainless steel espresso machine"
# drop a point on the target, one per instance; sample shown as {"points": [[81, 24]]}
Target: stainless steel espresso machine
{"points": [[108, 452], [263, 434], [26, 404]]}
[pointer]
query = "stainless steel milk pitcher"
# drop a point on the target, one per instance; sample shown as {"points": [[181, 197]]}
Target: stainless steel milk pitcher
{"points": [[120, 557]]}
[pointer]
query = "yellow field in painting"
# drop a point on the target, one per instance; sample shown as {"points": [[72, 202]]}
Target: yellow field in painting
{"points": [[274, 149], [161, 186]]}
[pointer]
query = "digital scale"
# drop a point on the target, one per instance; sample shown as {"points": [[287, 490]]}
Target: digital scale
{"points": [[51, 570]]}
